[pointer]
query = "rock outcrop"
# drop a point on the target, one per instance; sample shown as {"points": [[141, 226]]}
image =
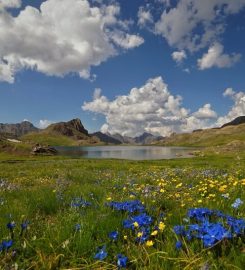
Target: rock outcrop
{"points": [[73, 128]]}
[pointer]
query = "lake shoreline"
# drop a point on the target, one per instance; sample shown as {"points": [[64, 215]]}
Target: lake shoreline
{"points": [[129, 152]]}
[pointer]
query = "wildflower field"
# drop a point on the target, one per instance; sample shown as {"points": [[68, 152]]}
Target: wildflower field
{"points": [[59, 213]]}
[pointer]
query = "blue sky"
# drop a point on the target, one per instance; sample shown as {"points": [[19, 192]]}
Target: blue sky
{"points": [[134, 46]]}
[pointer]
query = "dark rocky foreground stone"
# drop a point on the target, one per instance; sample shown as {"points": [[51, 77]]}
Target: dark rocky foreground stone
{"points": [[43, 150]]}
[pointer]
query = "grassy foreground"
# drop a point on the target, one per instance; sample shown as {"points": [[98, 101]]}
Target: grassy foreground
{"points": [[59, 213]]}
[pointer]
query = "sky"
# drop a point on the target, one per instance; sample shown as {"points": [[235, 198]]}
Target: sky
{"points": [[123, 66]]}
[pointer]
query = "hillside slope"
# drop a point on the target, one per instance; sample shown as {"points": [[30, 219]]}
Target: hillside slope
{"points": [[209, 137], [238, 121]]}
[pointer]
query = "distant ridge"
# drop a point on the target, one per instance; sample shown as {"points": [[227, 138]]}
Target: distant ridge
{"points": [[123, 139], [237, 121], [17, 130], [106, 138], [147, 138]]}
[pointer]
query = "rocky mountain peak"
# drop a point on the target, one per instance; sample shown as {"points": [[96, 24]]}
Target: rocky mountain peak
{"points": [[77, 125]]}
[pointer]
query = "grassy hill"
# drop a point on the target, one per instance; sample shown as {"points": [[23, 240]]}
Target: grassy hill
{"points": [[229, 135], [45, 138], [14, 148]]}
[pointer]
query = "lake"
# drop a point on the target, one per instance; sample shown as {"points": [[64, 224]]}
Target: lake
{"points": [[126, 152]]}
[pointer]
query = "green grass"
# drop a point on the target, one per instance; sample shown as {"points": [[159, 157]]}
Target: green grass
{"points": [[40, 190], [48, 139]]}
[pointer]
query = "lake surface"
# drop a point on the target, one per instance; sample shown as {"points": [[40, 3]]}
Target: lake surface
{"points": [[126, 152]]}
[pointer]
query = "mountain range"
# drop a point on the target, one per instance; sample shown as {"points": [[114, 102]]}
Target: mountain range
{"points": [[73, 130], [74, 133]]}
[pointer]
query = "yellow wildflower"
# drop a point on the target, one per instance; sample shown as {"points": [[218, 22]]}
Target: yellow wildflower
{"points": [[136, 224], [161, 226], [139, 234], [223, 188], [154, 233], [149, 243]]}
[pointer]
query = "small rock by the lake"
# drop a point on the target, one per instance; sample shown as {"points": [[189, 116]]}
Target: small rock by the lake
{"points": [[47, 150]]}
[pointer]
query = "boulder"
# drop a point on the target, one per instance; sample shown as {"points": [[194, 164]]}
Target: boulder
{"points": [[47, 150]]}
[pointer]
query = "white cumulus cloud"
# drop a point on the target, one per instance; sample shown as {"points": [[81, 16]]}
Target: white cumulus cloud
{"points": [[193, 25], [44, 123], [125, 40], [215, 57], [238, 108], [205, 112], [62, 37], [10, 4], [150, 108], [179, 56], [144, 16]]}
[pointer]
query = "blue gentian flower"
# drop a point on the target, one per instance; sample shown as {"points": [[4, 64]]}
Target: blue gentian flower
{"points": [[237, 225], [11, 225], [128, 206], [209, 232], [179, 229], [7, 244], [113, 235], [101, 254], [199, 214], [143, 220], [178, 245], [121, 261]]}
